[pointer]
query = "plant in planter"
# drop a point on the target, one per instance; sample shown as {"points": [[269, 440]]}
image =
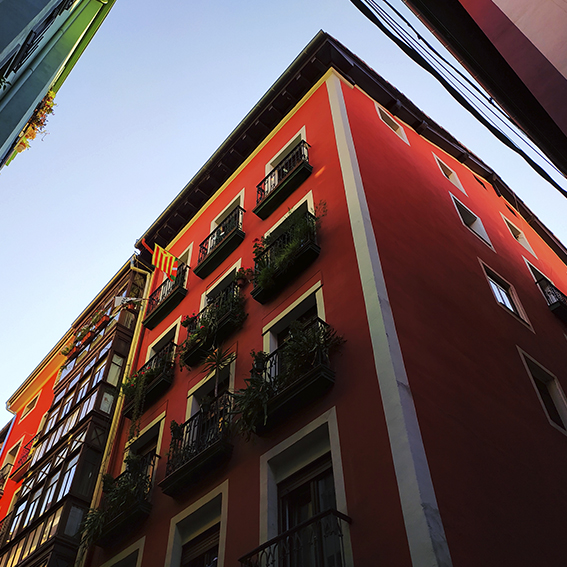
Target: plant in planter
{"points": [[243, 276], [176, 430], [298, 229], [134, 390], [118, 494], [306, 346]]}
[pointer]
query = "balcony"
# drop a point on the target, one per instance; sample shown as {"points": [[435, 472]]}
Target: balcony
{"points": [[223, 315], [166, 298], [282, 181], [220, 243], [126, 503], [198, 446], [317, 542], [4, 475], [556, 299], [23, 463], [285, 381], [278, 262], [155, 377]]}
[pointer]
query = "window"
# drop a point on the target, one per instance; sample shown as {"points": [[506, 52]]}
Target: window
{"points": [[504, 294], [115, 368], [392, 123], [29, 407], [202, 551], [306, 494], [471, 221], [449, 174], [518, 235], [301, 483], [68, 475], [49, 493], [549, 392]]}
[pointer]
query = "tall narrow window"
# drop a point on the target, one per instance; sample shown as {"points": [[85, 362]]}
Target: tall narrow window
{"points": [[202, 551], [550, 393]]}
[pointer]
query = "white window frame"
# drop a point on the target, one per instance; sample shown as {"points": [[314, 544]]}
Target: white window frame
{"points": [[270, 330], [293, 454], [553, 387], [193, 405], [237, 201], [228, 273], [275, 160], [216, 504], [518, 235], [136, 546], [392, 123], [474, 224], [176, 326], [493, 276], [27, 411], [449, 173]]}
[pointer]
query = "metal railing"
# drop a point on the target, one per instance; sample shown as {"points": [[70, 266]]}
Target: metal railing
{"points": [[166, 288], [5, 523], [26, 452], [317, 542], [133, 487], [231, 223], [209, 425], [278, 369], [226, 301], [159, 363], [303, 228], [551, 293], [298, 155], [4, 474]]}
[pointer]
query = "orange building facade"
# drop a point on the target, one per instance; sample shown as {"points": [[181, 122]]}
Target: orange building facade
{"points": [[403, 404]]}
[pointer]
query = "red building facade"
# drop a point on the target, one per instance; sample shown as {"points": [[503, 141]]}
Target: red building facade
{"points": [[431, 434]]}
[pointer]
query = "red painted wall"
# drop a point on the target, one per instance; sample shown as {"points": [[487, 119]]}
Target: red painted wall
{"points": [[371, 491], [494, 457], [26, 428]]}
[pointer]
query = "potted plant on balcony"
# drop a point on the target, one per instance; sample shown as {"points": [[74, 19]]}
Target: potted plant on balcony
{"points": [[243, 276], [300, 229], [119, 495], [307, 345]]}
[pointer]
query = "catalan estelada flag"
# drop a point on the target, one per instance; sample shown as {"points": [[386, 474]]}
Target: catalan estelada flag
{"points": [[163, 260]]}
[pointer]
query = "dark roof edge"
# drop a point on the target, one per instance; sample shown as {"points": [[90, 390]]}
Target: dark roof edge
{"points": [[322, 53]]}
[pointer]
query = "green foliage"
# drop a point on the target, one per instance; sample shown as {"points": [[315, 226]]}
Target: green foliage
{"points": [[306, 346], [119, 494], [203, 327], [298, 230]]}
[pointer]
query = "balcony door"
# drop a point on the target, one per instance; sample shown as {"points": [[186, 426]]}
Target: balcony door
{"points": [[202, 551], [303, 497]]}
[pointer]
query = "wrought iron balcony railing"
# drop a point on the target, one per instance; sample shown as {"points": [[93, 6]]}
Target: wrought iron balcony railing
{"points": [[223, 240], [277, 365], [167, 289], [295, 374], [200, 432], [555, 298], [317, 542], [223, 314], [23, 462], [4, 474], [130, 502], [299, 155], [157, 374], [287, 256]]}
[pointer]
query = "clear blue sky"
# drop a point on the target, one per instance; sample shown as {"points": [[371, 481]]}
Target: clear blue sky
{"points": [[157, 91]]}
